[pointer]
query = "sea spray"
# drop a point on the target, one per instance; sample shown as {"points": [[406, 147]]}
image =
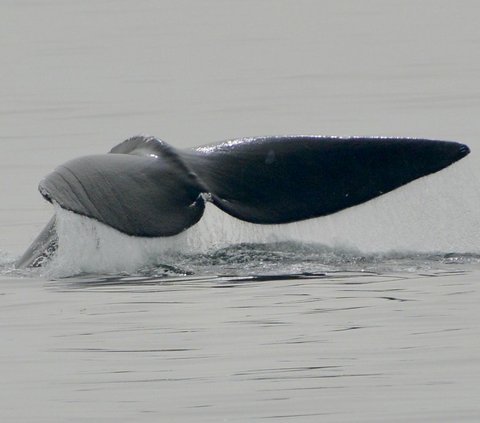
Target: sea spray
{"points": [[430, 217]]}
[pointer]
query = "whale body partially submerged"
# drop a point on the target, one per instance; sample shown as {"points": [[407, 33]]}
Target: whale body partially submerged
{"points": [[146, 188]]}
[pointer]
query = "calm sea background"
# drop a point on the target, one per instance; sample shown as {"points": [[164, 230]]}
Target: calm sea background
{"points": [[370, 315]]}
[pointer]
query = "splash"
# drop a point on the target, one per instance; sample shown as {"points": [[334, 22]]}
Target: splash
{"points": [[426, 224], [6, 260]]}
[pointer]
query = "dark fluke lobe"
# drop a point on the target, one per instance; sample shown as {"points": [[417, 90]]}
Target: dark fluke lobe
{"points": [[147, 188], [286, 179]]}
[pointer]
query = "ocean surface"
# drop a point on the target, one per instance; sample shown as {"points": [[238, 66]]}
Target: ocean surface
{"points": [[368, 315]]}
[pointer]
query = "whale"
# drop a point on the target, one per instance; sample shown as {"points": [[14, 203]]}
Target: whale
{"points": [[144, 187]]}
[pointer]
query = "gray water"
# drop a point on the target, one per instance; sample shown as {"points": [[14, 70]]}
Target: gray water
{"points": [[367, 315]]}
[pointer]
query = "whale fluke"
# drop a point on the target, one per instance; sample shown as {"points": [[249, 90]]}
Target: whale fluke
{"points": [[147, 188], [285, 179], [140, 196]]}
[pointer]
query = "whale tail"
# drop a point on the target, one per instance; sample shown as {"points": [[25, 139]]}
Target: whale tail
{"points": [[41, 249], [285, 179], [147, 188]]}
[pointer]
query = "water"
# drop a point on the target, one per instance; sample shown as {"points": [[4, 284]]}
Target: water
{"points": [[391, 347], [367, 315]]}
